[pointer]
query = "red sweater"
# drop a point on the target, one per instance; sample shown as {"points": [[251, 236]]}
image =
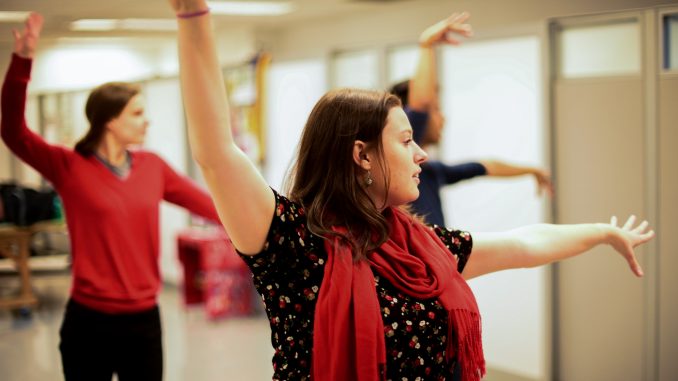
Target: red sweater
{"points": [[112, 222]]}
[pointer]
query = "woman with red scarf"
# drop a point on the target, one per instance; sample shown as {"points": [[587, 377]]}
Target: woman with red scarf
{"points": [[355, 287]]}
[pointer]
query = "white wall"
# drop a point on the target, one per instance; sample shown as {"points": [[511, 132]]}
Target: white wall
{"points": [[491, 97], [167, 137], [293, 89], [357, 69]]}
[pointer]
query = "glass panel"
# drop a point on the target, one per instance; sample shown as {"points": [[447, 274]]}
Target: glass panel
{"points": [[671, 42], [600, 50], [293, 88], [402, 62], [491, 95], [356, 69]]}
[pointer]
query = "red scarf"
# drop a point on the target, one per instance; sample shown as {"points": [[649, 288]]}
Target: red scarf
{"points": [[348, 335]]}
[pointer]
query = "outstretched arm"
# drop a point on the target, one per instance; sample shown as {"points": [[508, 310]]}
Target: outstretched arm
{"points": [[183, 191], [243, 199], [503, 169], [424, 85], [537, 245]]}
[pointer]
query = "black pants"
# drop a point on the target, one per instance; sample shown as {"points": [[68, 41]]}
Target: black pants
{"points": [[95, 345]]}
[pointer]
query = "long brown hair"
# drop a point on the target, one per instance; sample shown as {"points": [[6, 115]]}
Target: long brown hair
{"points": [[103, 104], [326, 180]]}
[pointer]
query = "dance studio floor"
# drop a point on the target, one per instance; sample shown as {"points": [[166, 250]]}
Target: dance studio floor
{"points": [[196, 348]]}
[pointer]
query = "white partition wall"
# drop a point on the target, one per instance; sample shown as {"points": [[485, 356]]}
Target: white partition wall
{"points": [[491, 99], [80, 125], [166, 136], [293, 89], [356, 68], [402, 62], [25, 173]]}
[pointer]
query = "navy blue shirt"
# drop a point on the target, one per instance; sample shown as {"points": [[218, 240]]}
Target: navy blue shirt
{"points": [[435, 174]]}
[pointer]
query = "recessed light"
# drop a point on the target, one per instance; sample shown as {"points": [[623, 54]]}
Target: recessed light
{"points": [[250, 8], [11, 16], [124, 24], [94, 24], [148, 24]]}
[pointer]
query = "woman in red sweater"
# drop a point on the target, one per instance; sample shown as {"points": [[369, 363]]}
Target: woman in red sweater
{"points": [[111, 196]]}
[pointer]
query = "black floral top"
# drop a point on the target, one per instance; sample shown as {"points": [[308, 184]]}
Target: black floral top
{"points": [[288, 273]]}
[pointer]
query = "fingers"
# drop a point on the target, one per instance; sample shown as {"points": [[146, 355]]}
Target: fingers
{"points": [[646, 237], [634, 265], [629, 223], [613, 221], [451, 40], [458, 18], [457, 23], [626, 250], [34, 23], [545, 184], [445, 30], [641, 227]]}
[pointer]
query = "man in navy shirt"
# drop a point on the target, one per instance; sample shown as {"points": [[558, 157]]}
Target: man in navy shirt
{"points": [[419, 96]]}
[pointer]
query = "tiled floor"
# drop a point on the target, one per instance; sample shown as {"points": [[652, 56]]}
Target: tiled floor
{"points": [[195, 347]]}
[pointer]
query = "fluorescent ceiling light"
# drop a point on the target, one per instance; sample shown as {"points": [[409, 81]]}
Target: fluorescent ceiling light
{"points": [[250, 8], [13, 16], [148, 24], [94, 24], [97, 40], [124, 24], [238, 8]]}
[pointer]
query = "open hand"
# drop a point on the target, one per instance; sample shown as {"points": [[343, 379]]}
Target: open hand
{"points": [[26, 40], [444, 31], [624, 239], [544, 184]]}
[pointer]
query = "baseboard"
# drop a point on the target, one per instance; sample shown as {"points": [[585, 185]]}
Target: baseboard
{"points": [[494, 374]]}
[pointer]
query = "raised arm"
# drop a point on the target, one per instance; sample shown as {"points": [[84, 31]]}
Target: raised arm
{"points": [[49, 160], [243, 199], [503, 169], [537, 245], [424, 85]]}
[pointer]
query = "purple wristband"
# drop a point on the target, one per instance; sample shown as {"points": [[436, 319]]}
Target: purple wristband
{"points": [[193, 14]]}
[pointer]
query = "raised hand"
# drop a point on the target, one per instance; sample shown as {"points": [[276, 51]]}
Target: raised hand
{"points": [[446, 31], [625, 238], [26, 41]]}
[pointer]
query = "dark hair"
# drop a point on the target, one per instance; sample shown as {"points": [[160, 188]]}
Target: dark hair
{"points": [[325, 178], [402, 91], [103, 104]]}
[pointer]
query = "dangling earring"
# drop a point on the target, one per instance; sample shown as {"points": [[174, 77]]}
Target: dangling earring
{"points": [[368, 179]]}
